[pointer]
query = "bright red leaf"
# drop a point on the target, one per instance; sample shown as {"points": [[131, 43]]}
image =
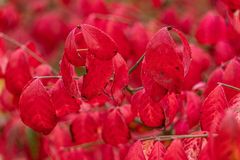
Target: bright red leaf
{"points": [[213, 108], [98, 42]]}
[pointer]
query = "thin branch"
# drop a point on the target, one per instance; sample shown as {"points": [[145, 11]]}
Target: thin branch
{"points": [[172, 137], [136, 64], [229, 86], [28, 51], [52, 77], [113, 18], [84, 145]]}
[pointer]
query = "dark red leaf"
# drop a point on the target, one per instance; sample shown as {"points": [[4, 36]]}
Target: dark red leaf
{"points": [[36, 108], [84, 128], [115, 130], [151, 113], [126, 111], [64, 104], [186, 53], [170, 106], [120, 78], [136, 100], [193, 109], [98, 75], [163, 64], [67, 72], [152, 88]]}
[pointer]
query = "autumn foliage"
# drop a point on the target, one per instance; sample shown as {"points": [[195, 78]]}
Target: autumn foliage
{"points": [[120, 80]]}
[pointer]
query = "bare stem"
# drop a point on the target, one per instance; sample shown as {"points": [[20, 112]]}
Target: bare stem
{"points": [[84, 145], [113, 18], [136, 64], [172, 137], [229, 86], [28, 51], [52, 77]]}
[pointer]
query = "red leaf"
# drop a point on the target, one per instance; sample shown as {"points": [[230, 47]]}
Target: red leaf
{"points": [[232, 4], [175, 151], [67, 72], [193, 109], [201, 60], [36, 108], [193, 146], [212, 109], [235, 107], [232, 77], [158, 151], [211, 29], [223, 52], [181, 127], [84, 129], [99, 43], [147, 146], [115, 130], [117, 31], [163, 63], [44, 70], [138, 38], [151, 113], [215, 77], [32, 61], [186, 53], [98, 75], [126, 111], [17, 72], [64, 104], [120, 78], [170, 106], [73, 42], [152, 88], [204, 155], [157, 3], [226, 146], [135, 152], [136, 100]]}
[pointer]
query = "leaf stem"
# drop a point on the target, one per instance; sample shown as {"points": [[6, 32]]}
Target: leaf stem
{"points": [[136, 64], [82, 49], [133, 90], [229, 86], [28, 51]]}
